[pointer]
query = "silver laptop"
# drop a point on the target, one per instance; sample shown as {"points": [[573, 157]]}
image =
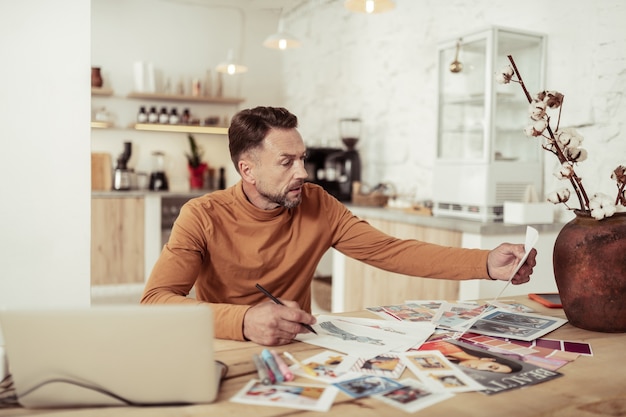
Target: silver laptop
{"points": [[111, 355]]}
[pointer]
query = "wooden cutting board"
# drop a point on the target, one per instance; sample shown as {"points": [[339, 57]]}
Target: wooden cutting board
{"points": [[101, 172]]}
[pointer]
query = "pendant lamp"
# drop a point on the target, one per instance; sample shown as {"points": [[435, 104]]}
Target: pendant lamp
{"points": [[282, 39], [229, 66], [369, 6]]}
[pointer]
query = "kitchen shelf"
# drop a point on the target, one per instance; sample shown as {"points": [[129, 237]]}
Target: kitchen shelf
{"points": [[95, 91], [155, 127], [181, 97], [101, 125]]}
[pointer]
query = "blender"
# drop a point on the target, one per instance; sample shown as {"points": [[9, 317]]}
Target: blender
{"points": [[122, 176], [158, 179]]}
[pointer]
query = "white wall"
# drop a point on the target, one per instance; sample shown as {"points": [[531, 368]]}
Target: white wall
{"points": [[183, 41], [44, 157], [383, 68], [379, 67]]}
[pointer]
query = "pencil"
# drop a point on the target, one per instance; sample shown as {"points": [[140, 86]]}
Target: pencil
{"points": [[277, 301], [271, 363], [302, 366], [261, 370], [284, 369]]}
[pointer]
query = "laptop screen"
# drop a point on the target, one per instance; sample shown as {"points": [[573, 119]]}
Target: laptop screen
{"points": [[111, 355]]}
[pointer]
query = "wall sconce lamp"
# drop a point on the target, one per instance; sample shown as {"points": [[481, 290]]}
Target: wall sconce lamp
{"points": [[229, 66], [282, 39], [369, 6]]}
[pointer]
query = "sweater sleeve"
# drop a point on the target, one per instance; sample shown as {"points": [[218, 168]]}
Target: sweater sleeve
{"points": [[176, 271], [167, 284], [359, 240]]}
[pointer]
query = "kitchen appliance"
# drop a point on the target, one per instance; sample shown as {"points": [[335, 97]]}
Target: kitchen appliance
{"points": [[336, 169], [483, 157], [122, 175], [343, 168], [158, 179], [316, 167]]}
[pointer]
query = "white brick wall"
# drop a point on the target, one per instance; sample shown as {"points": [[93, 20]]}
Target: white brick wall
{"points": [[383, 68]]}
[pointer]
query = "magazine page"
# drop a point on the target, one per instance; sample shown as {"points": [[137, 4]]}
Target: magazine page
{"points": [[412, 396], [433, 369], [521, 326], [496, 372], [457, 316], [289, 394], [354, 338], [386, 365], [328, 367], [415, 333], [546, 353], [418, 311]]}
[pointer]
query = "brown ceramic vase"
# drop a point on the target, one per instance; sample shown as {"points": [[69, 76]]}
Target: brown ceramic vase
{"points": [[589, 261], [96, 77]]}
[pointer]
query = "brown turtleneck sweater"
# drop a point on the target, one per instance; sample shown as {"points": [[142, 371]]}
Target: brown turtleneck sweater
{"points": [[224, 245]]}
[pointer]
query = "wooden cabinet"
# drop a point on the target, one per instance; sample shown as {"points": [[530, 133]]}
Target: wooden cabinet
{"points": [[117, 240], [366, 286]]}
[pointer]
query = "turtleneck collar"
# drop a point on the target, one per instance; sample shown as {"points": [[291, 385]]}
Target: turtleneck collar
{"points": [[253, 210]]}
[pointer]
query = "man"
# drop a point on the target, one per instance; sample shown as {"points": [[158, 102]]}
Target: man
{"points": [[272, 228]]}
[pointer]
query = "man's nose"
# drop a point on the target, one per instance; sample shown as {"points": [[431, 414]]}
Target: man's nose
{"points": [[300, 170]]}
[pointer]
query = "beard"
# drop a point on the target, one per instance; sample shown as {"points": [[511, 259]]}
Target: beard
{"points": [[282, 199]]}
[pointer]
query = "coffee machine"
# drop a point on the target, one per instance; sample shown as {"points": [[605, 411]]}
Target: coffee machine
{"points": [[316, 168], [335, 169]]}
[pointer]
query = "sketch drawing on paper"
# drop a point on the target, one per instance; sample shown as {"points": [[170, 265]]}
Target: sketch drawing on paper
{"points": [[345, 335]]}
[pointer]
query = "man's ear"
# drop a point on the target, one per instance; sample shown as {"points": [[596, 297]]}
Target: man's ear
{"points": [[246, 170]]}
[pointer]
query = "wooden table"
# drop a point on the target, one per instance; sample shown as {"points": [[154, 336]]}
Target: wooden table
{"points": [[590, 387]]}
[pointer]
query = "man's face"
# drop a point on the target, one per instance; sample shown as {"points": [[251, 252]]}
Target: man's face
{"points": [[279, 168]]}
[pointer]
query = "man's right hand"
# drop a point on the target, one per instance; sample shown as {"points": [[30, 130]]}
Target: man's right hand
{"points": [[271, 324]]}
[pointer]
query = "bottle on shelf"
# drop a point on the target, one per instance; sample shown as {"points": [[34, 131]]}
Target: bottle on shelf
{"points": [[186, 117], [222, 179], [142, 116], [153, 117], [174, 119], [163, 116]]}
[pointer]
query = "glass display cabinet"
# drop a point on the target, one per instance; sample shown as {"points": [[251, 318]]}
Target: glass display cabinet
{"points": [[483, 156]]}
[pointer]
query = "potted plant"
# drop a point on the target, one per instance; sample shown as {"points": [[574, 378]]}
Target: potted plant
{"points": [[196, 167], [589, 256]]}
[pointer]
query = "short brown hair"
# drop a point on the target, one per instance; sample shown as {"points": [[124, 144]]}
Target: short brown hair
{"points": [[249, 128]]}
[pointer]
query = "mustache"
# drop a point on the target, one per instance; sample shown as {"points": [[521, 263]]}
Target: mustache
{"points": [[296, 185]]}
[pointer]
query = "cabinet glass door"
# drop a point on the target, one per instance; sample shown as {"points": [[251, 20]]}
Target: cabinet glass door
{"points": [[462, 101], [511, 105]]}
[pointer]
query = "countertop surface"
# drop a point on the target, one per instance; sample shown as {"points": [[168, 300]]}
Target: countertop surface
{"points": [[146, 193], [450, 223], [381, 213]]}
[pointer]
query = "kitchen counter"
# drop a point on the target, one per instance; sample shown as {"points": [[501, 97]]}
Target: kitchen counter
{"points": [[381, 213], [398, 222], [448, 223], [356, 284], [145, 193]]}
